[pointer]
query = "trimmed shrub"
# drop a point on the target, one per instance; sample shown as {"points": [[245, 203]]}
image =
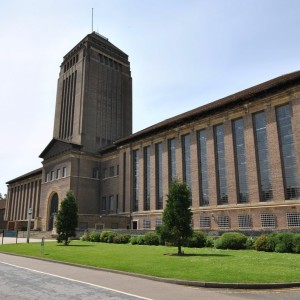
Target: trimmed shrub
{"points": [[95, 236], [197, 240], [151, 238], [296, 243], [250, 243], [107, 236], [231, 240], [284, 242], [86, 237], [134, 240], [121, 239], [260, 243], [209, 242], [141, 240]]}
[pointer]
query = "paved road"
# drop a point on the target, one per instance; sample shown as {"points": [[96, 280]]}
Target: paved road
{"points": [[25, 278]]}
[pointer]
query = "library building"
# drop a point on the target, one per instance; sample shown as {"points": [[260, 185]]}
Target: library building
{"points": [[239, 155]]}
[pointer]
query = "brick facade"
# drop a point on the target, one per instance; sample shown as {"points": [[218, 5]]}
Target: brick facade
{"points": [[92, 153]]}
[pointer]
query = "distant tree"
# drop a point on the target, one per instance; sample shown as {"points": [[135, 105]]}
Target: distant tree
{"points": [[67, 219], [177, 215]]}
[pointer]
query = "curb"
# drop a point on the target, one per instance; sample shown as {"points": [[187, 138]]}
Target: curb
{"points": [[220, 285]]}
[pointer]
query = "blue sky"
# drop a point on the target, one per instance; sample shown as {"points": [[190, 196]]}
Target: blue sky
{"points": [[183, 54]]}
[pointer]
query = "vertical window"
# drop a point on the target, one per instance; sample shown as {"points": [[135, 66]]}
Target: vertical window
{"points": [[288, 154], [111, 202], [112, 171], [202, 155], [172, 159], [105, 173], [186, 155], [118, 169], [240, 159], [158, 176], [147, 178], [146, 224], [221, 165], [135, 160], [57, 173], [52, 175], [64, 172], [103, 200], [96, 173], [262, 150]]}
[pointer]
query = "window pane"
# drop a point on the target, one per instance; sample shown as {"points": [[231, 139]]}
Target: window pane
{"points": [[221, 165], [290, 172], [262, 150]]}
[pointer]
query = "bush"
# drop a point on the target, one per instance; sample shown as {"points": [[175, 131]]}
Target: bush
{"points": [[209, 242], [260, 243], [134, 240], [151, 238], [197, 240], [107, 236], [86, 237], [296, 243], [95, 236], [121, 239], [231, 240], [283, 242], [250, 243], [141, 240]]}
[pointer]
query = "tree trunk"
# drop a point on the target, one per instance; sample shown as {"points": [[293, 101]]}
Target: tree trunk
{"points": [[179, 250]]}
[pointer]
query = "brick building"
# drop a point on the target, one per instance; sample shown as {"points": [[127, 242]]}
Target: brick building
{"points": [[240, 155]]}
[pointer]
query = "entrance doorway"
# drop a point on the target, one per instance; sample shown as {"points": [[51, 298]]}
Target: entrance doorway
{"points": [[134, 224], [53, 210]]}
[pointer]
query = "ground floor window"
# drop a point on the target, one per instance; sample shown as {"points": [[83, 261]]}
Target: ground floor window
{"points": [[293, 219], [268, 220], [205, 222], [223, 222], [244, 221]]}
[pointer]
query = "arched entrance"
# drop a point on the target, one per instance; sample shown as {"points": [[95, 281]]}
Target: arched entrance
{"points": [[53, 210]]}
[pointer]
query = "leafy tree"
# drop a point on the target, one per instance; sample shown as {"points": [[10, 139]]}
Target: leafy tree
{"points": [[67, 219], [177, 215]]}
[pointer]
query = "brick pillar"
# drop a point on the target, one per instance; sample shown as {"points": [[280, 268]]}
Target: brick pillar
{"points": [[230, 165], [179, 162], [211, 166], [152, 178], [141, 179], [165, 171], [194, 170], [252, 174], [274, 155]]}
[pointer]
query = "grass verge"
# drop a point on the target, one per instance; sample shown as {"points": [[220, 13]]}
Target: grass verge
{"points": [[209, 265]]}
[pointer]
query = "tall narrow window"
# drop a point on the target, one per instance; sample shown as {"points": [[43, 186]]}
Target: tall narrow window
{"points": [[287, 147], [240, 158], [262, 150], [158, 176], [172, 159], [186, 155], [202, 155], [221, 165], [111, 202], [135, 160], [147, 178]]}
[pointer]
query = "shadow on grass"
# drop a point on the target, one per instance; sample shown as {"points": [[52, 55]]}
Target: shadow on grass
{"points": [[61, 245], [193, 254]]}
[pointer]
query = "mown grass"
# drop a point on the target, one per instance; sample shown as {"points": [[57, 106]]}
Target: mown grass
{"points": [[209, 265]]}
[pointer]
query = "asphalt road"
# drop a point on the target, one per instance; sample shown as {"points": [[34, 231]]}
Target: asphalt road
{"points": [[26, 278]]}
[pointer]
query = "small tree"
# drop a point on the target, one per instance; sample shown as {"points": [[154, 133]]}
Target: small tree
{"points": [[177, 215], [67, 219]]}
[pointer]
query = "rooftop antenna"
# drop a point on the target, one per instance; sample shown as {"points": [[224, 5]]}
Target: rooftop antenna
{"points": [[92, 19]]}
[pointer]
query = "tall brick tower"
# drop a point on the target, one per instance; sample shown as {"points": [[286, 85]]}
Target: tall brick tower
{"points": [[94, 95]]}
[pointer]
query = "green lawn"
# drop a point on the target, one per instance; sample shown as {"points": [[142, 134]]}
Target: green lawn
{"points": [[209, 265]]}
